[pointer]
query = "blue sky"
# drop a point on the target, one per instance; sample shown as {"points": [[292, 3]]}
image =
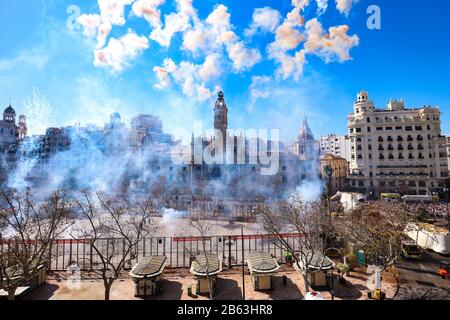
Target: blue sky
{"points": [[51, 73]]}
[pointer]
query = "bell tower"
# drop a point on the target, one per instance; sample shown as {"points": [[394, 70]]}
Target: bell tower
{"points": [[221, 115]]}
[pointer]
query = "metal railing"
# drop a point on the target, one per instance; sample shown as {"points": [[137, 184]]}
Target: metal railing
{"points": [[178, 250]]}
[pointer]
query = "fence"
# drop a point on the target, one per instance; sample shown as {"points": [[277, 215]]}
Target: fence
{"points": [[178, 250]]}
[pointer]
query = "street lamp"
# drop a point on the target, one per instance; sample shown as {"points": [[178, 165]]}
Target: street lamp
{"points": [[329, 174]]}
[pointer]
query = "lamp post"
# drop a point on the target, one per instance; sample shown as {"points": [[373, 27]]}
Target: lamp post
{"points": [[229, 243], [329, 175]]}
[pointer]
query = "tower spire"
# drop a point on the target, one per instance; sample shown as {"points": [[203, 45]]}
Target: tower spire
{"points": [[221, 114]]}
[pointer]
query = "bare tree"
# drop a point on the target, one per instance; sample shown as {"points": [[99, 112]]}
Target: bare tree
{"points": [[202, 228], [27, 232], [122, 224], [307, 219], [378, 228]]}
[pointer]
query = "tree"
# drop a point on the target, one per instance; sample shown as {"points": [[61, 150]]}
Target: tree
{"points": [[27, 232], [378, 228], [307, 219], [119, 222], [202, 228]]}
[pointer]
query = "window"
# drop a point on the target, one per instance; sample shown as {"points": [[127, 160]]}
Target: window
{"points": [[368, 120], [358, 129], [398, 128], [388, 128], [408, 128], [379, 128], [418, 128]]}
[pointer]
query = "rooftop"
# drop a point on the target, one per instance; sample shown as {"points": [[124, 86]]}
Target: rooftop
{"points": [[206, 264], [262, 262], [149, 267]]}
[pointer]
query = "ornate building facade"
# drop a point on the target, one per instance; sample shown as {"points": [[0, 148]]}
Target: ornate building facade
{"points": [[396, 149]]}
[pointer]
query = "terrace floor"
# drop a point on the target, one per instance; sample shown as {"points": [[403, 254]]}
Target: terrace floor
{"points": [[229, 287]]}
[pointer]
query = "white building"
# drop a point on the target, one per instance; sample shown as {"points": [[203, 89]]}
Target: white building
{"points": [[336, 145], [396, 149]]}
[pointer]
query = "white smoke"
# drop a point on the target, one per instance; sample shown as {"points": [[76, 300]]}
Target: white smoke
{"points": [[311, 190]]}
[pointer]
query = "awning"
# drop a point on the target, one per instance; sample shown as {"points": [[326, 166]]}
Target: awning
{"points": [[149, 267], [262, 262], [316, 262], [206, 264]]}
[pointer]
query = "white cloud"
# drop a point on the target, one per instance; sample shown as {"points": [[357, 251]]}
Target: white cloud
{"points": [[192, 78], [117, 54], [210, 68], [344, 6], [90, 23], [265, 20], [148, 9], [322, 6], [175, 22], [334, 45], [112, 12], [242, 57], [214, 35], [329, 46]]}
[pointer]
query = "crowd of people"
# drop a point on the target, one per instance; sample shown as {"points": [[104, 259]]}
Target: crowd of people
{"points": [[435, 210]]}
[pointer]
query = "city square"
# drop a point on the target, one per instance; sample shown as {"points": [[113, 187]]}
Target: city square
{"points": [[185, 151]]}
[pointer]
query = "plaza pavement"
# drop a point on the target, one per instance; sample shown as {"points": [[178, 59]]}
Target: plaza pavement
{"points": [[229, 287]]}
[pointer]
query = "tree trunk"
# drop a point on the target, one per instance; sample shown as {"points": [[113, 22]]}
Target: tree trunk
{"points": [[12, 294], [108, 285], [305, 280]]}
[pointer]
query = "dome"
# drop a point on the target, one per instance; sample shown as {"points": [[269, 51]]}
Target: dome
{"points": [[10, 110], [305, 133]]}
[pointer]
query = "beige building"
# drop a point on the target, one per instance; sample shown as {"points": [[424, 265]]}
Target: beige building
{"points": [[340, 171], [336, 145], [448, 153], [396, 149]]}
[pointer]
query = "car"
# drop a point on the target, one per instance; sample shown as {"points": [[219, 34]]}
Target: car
{"points": [[444, 271]]}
